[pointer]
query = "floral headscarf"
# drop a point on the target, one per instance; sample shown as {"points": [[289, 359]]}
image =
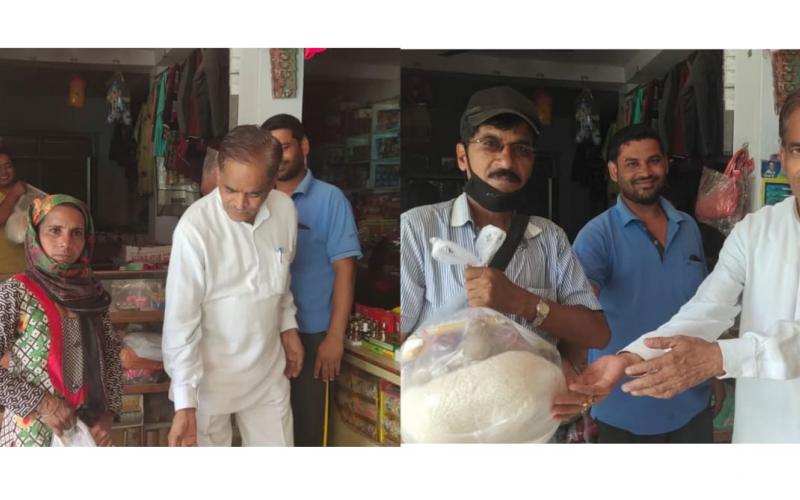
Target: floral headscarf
{"points": [[69, 284]]}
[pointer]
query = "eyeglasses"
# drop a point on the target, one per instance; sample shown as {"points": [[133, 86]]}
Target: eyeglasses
{"points": [[492, 146]]}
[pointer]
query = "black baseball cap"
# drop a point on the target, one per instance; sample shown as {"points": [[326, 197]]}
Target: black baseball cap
{"points": [[488, 103]]}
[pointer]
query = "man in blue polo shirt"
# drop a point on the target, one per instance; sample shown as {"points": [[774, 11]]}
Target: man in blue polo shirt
{"points": [[645, 260], [323, 275]]}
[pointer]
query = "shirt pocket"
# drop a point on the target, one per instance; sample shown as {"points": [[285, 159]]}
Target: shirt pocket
{"points": [[695, 274], [278, 269]]}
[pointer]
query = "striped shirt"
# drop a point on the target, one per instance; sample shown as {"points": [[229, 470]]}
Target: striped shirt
{"points": [[543, 264]]}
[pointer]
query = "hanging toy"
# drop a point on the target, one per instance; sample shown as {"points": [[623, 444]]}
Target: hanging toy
{"points": [[588, 121], [118, 97]]}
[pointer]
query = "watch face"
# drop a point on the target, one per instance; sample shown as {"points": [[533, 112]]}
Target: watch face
{"points": [[542, 308]]}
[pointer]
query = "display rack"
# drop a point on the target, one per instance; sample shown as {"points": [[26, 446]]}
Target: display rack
{"points": [[147, 412], [368, 416], [385, 151], [366, 157]]}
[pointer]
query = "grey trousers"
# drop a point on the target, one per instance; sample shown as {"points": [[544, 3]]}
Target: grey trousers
{"points": [[308, 396]]}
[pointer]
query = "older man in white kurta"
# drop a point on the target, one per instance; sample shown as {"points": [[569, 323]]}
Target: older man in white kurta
{"points": [[757, 274], [759, 263], [228, 309]]}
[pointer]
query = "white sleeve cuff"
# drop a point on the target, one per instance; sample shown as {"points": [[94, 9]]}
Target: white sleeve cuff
{"points": [[638, 347], [738, 357], [184, 396], [289, 321]]}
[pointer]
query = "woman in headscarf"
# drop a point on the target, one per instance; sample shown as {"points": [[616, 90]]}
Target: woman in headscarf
{"points": [[64, 357]]}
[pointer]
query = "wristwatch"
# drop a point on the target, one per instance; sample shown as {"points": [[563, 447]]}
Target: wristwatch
{"points": [[542, 310]]}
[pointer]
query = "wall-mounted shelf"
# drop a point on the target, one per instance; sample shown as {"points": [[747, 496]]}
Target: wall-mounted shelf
{"points": [[145, 388], [123, 317]]}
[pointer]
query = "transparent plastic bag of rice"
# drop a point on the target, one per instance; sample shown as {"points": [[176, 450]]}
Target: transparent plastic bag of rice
{"points": [[478, 377]]}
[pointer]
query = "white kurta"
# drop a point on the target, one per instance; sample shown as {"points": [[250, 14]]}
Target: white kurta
{"points": [[227, 300], [758, 273]]}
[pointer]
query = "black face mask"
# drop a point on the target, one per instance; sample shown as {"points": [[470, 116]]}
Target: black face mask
{"points": [[490, 198]]}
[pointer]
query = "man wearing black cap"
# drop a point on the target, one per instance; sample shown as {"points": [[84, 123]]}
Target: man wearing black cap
{"points": [[543, 287]]}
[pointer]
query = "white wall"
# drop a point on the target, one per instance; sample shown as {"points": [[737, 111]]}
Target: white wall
{"points": [[754, 119], [251, 81]]}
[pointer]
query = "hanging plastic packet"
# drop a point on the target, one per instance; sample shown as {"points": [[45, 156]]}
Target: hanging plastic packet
{"points": [[118, 97], [588, 121], [79, 435], [722, 197]]}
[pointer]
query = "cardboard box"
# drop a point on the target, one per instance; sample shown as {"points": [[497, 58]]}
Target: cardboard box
{"points": [[149, 254]]}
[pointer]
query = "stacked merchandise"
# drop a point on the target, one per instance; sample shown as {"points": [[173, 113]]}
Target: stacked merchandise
{"points": [[141, 351], [145, 258], [377, 216], [142, 361], [367, 402], [144, 421], [375, 330], [385, 146], [369, 405], [357, 394], [137, 295], [128, 431]]}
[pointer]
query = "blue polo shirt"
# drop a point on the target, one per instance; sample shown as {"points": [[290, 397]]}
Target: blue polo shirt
{"points": [[326, 233], [640, 289]]}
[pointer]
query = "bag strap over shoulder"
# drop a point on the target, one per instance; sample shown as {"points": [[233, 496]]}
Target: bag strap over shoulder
{"points": [[519, 222]]}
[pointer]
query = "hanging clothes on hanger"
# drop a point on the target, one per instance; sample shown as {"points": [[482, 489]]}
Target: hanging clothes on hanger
{"points": [[666, 106], [678, 131], [650, 104], [638, 106], [703, 102], [144, 137], [589, 171], [185, 94], [159, 137], [171, 97], [210, 91], [190, 152]]}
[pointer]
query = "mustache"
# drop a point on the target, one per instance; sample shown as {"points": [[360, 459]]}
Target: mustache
{"points": [[507, 174], [651, 178]]}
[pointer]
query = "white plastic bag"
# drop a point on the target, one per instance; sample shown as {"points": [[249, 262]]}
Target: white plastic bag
{"points": [[489, 241], [478, 377], [77, 436], [17, 223], [145, 344]]}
